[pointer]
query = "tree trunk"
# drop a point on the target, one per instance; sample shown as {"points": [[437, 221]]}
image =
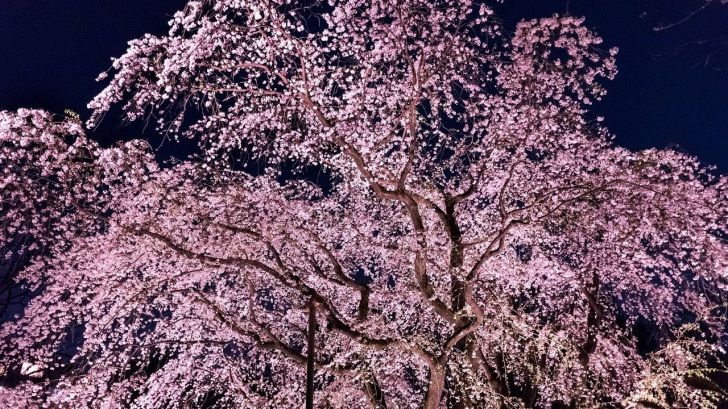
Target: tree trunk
{"points": [[457, 395]]}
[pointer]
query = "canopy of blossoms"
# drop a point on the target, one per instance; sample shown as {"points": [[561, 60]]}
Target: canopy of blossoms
{"points": [[475, 239]]}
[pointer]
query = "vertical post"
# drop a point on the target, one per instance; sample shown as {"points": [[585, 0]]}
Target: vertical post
{"points": [[310, 353]]}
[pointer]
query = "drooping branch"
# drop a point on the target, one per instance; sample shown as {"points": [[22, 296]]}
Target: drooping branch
{"points": [[272, 343], [494, 246], [363, 309]]}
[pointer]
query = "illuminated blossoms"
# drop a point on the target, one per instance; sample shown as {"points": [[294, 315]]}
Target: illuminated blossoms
{"points": [[475, 239]]}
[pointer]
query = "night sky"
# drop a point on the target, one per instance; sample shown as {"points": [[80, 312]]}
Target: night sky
{"points": [[664, 95]]}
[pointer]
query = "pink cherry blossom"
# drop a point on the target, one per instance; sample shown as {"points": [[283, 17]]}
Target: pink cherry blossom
{"points": [[479, 241]]}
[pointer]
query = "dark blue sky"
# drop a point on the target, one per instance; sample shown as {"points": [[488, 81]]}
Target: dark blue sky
{"points": [[51, 51]]}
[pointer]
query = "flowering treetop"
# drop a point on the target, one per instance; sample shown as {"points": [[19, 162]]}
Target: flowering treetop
{"points": [[480, 242]]}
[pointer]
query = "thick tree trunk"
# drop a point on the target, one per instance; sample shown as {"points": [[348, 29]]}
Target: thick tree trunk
{"points": [[457, 397]]}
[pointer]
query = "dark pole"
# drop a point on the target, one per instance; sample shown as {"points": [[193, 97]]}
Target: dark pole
{"points": [[310, 353]]}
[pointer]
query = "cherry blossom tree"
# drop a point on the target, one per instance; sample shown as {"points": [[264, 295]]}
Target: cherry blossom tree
{"points": [[431, 185]]}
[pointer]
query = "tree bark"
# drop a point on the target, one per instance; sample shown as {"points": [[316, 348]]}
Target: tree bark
{"points": [[435, 388], [457, 397]]}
